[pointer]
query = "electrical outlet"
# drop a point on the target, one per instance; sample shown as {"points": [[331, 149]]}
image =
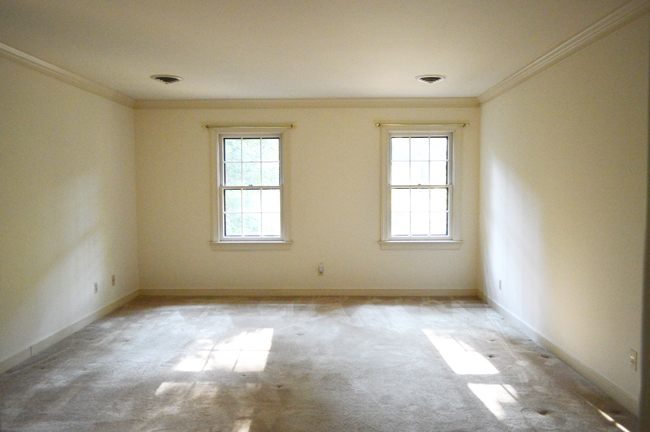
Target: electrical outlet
{"points": [[633, 359], [113, 280], [499, 284], [96, 288]]}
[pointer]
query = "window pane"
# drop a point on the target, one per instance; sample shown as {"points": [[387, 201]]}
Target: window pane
{"points": [[233, 226], [252, 175], [438, 223], [233, 174], [438, 148], [420, 223], [252, 224], [233, 149], [252, 166], [400, 200], [233, 200], [420, 148], [400, 173], [419, 173], [251, 150], [420, 185], [271, 174], [251, 201], [271, 224], [400, 224], [438, 173], [271, 200], [439, 200], [271, 149], [420, 200], [399, 149]]}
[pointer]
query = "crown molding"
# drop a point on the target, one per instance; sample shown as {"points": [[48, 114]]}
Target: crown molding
{"points": [[617, 19], [51, 70], [16, 56], [612, 22], [307, 103]]}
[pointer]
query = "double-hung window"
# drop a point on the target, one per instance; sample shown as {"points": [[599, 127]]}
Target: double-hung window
{"points": [[250, 188], [419, 187]]}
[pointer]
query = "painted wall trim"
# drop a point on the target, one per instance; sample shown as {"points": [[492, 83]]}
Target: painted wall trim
{"points": [[16, 56], [47, 342], [297, 292], [585, 371], [617, 19], [612, 22], [308, 103]]}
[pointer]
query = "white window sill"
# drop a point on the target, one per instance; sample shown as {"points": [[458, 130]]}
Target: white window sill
{"points": [[250, 246], [420, 244]]}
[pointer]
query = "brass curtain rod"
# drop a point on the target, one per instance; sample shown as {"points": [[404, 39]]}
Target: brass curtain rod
{"points": [[290, 126], [422, 124]]}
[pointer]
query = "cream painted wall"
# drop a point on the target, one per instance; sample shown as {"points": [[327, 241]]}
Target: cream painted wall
{"points": [[67, 206], [563, 186], [334, 168]]}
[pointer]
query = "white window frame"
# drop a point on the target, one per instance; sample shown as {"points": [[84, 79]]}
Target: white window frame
{"points": [[453, 239], [219, 240]]}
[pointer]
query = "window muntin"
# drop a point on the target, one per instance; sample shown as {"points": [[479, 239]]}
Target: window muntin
{"points": [[417, 226], [251, 161], [420, 185], [250, 188]]}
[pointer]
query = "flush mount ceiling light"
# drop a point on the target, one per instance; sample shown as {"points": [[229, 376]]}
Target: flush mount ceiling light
{"points": [[167, 79], [430, 79]]}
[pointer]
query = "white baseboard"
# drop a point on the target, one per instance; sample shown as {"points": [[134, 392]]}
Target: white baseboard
{"points": [[47, 342], [589, 374], [297, 292]]}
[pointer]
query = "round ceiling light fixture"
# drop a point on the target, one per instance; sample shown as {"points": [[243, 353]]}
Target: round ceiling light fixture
{"points": [[167, 79], [430, 79]]}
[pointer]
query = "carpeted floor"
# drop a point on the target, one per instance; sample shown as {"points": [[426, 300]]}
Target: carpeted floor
{"points": [[302, 364]]}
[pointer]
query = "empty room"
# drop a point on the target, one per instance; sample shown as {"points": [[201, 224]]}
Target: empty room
{"points": [[323, 215]]}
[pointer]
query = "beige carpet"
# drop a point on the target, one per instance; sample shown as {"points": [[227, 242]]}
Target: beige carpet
{"points": [[302, 364]]}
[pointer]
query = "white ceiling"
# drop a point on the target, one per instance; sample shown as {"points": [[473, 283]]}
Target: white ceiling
{"points": [[242, 49]]}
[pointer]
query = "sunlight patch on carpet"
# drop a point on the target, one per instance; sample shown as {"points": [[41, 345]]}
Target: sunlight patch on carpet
{"points": [[495, 397], [245, 352], [460, 357]]}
